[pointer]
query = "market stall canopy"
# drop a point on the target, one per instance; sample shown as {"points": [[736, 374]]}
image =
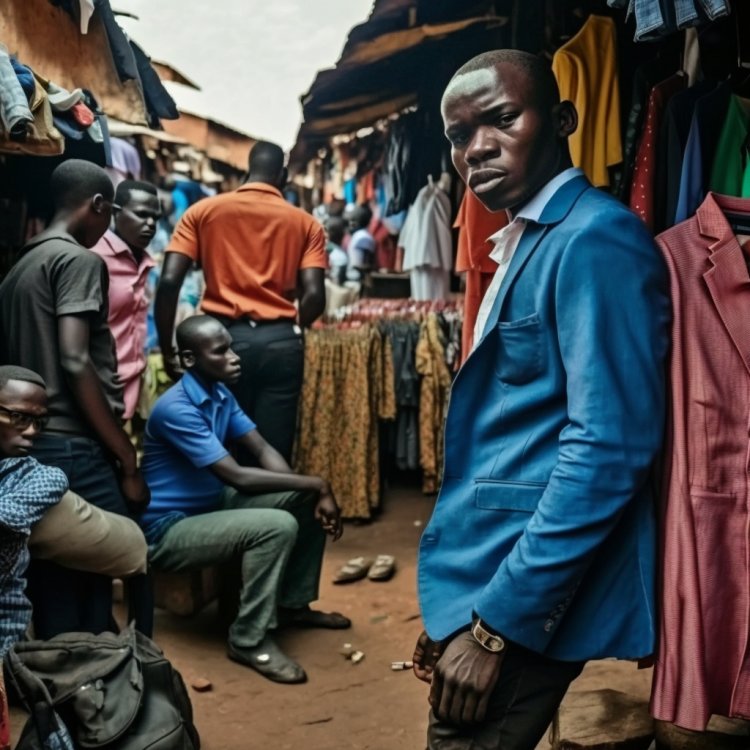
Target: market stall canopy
{"points": [[384, 63], [48, 40], [121, 129], [216, 139], [168, 72]]}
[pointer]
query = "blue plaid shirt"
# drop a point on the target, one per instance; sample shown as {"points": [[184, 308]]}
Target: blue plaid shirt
{"points": [[27, 490]]}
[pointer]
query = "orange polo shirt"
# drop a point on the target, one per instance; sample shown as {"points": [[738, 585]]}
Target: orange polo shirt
{"points": [[251, 244]]}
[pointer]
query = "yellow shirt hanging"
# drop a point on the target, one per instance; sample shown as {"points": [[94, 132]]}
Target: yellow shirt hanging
{"points": [[586, 72]]}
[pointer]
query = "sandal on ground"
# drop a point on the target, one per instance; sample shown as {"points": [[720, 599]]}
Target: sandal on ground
{"points": [[383, 568], [269, 660], [354, 570]]}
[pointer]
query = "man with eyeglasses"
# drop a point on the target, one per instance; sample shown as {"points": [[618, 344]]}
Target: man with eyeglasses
{"points": [[53, 321], [38, 516], [136, 211]]}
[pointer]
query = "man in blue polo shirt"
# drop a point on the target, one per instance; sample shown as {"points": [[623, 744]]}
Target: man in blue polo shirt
{"points": [[208, 509]]}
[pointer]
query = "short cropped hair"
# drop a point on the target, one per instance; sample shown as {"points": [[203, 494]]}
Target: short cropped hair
{"points": [[190, 332], [536, 68], [12, 372], [76, 181], [361, 215], [126, 187], [336, 229], [266, 159]]}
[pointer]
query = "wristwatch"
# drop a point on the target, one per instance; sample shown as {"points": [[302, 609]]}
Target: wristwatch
{"points": [[485, 639]]}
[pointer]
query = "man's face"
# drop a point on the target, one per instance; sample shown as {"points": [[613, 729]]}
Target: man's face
{"points": [[135, 222], [23, 412], [213, 357], [504, 145]]}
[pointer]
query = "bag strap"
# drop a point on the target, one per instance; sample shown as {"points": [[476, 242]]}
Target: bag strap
{"points": [[43, 720], [31, 689]]}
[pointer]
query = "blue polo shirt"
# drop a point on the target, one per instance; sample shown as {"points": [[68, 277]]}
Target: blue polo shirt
{"points": [[185, 434]]}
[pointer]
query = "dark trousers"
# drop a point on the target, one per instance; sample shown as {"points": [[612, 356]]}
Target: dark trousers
{"points": [[273, 358], [65, 600], [528, 692]]}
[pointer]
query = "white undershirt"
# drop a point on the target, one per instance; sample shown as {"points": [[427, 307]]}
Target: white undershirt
{"points": [[507, 239]]}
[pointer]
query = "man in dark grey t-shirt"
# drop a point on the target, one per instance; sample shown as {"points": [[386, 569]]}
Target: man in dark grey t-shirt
{"points": [[53, 320]]}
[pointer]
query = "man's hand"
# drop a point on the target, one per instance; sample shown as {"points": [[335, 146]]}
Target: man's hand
{"points": [[172, 365], [464, 678], [426, 654], [328, 513], [135, 491]]}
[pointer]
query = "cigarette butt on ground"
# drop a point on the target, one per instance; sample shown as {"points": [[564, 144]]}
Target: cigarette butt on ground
{"points": [[398, 666]]}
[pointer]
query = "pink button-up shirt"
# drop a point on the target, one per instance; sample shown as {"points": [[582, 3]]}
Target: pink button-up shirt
{"points": [[127, 312]]}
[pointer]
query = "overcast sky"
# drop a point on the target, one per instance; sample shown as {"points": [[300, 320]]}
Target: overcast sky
{"points": [[252, 58]]}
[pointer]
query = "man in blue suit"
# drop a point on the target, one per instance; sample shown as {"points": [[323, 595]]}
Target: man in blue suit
{"points": [[540, 552]]}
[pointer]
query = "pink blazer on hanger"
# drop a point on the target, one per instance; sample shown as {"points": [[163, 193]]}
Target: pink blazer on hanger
{"points": [[703, 662]]}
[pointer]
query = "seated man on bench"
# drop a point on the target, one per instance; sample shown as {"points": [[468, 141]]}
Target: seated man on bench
{"points": [[39, 515], [207, 509]]}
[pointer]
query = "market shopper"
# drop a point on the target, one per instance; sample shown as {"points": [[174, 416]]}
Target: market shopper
{"points": [[136, 212], [361, 247], [208, 509], [53, 321], [540, 552], [338, 260], [38, 516], [259, 255]]}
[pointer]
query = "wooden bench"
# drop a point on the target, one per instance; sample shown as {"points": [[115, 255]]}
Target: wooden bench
{"points": [[187, 593]]}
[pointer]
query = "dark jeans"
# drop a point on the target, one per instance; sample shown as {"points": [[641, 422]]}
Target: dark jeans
{"points": [[65, 600], [273, 357], [527, 694]]}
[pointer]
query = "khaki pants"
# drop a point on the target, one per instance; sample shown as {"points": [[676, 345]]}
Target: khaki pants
{"points": [[80, 536]]}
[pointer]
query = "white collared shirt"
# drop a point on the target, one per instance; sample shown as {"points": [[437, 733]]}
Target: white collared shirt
{"points": [[507, 239]]}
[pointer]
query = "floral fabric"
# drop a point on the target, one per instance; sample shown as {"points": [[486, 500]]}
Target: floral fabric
{"points": [[433, 401], [348, 389]]}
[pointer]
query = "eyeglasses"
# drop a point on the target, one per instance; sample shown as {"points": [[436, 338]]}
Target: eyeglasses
{"points": [[22, 421]]}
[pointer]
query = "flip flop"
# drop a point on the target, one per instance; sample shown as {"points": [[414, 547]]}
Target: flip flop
{"points": [[383, 568], [353, 570]]}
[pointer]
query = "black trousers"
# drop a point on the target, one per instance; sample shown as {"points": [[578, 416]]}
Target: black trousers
{"points": [[273, 356], [528, 692], [67, 600]]}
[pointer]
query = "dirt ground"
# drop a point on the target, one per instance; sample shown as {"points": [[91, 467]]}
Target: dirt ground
{"points": [[344, 706]]}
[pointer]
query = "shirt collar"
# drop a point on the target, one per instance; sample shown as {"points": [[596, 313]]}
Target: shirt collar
{"points": [[260, 187], [118, 246], [197, 393], [533, 209]]}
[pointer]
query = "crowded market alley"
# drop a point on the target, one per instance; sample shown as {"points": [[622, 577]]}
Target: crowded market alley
{"points": [[374, 376]]}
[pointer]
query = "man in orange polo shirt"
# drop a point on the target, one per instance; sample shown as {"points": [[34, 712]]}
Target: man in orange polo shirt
{"points": [[259, 256]]}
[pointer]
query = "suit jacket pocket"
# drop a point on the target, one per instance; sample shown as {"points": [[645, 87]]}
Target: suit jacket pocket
{"points": [[511, 496], [520, 356]]}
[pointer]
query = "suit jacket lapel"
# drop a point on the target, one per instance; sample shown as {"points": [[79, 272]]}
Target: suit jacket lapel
{"points": [[554, 212], [728, 282], [530, 238], [727, 279]]}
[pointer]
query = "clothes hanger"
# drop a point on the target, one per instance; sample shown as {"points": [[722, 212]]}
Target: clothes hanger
{"points": [[738, 221]]}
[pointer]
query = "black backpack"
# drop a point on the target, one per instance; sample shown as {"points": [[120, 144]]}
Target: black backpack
{"points": [[111, 692]]}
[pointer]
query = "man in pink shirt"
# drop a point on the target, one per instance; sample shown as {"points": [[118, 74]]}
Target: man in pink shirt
{"points": [[136, 211]]}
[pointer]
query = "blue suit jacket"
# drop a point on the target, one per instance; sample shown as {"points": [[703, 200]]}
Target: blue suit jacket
{"points": [[545, 520]]}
